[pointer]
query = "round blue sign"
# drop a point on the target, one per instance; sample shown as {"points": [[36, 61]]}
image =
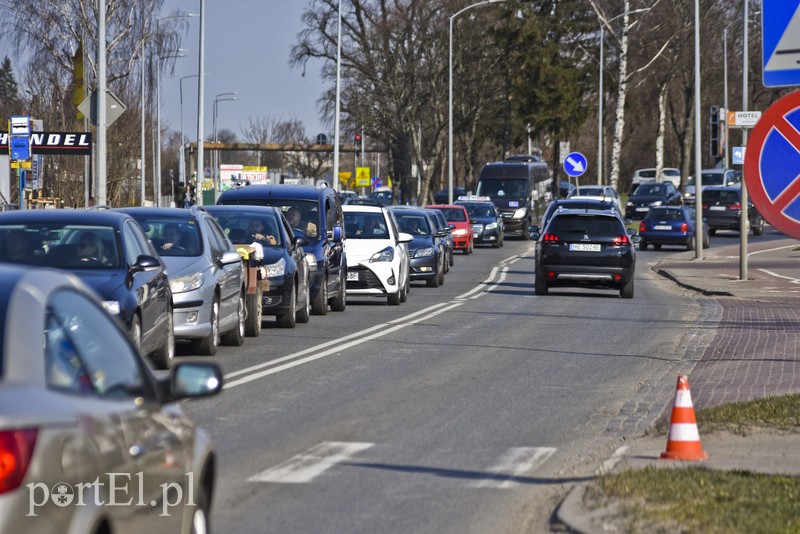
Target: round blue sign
{"points": [[575, 164]]}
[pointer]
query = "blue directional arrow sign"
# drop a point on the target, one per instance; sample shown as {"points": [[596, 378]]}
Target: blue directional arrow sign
{"points": [[738, 155], [780, 28], [575, 164]]}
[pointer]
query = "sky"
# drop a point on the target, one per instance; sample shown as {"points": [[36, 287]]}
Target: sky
{"points": [[247, 45]]}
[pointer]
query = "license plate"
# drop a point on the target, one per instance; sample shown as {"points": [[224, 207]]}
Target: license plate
{"points": [[662, 227], [352, 276], [717, 208], [585, 247], [642, 209]]}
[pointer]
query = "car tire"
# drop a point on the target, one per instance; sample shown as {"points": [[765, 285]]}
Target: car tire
{"points": [[657, 246], [642, 245], [500, 240], [452, 261], [207, 346], [200, 517], [441, 274], [434, 282], [626, 291], [304, 314], [164, 356], [136, 333], [404, 292], [706, 241], [253, 313], [759, 228], [289, 319], [394, 298], [692, 244], [235, 336], [539, 285], [319, 306], [712, 231], [339, 302]]}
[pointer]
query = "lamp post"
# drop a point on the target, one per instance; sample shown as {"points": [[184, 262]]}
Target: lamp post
{"points": [[200, 95], [181, 157], [698, 154], [450, 99], [744, 223], [338, 100], [228, 96], [142, 193]]}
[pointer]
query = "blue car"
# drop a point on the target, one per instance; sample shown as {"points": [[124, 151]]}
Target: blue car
{"points": [[426, 252], [487, 222], [671, 225]]}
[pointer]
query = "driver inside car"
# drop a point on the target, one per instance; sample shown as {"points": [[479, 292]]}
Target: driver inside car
{"points": [[172, 237]]}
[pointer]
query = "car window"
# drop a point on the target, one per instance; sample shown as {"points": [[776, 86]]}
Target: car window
{"points": [[219, 243], [64, 246], [86, 353], [720, 197], [664, 214], [586, 224], [133, 249], [172, 236]]}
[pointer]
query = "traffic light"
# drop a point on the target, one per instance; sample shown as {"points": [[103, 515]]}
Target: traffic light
{"points": [[713, 137], [357, 140]]}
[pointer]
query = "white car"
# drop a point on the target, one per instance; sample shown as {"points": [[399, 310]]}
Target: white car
{"points": [[599, 192], [377, 254]]}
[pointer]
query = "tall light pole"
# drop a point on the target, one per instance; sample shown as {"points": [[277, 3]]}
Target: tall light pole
{"points": [[143, 154], [338, 100], [744, 223], [181, 156], [698, 154], [450, 99], [200, 95], [100, 171], [157, 178], [215, 170]]}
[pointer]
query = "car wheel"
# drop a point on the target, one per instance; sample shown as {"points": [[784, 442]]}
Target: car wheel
{"points": [[394, 298], [441, 274], [642, 245], [200, 516], [253, 315], [657, 246], [627, 290], [706, 241], [539, 285], [304, 314], [136, 333], [404, 292], [235, 336], [712, 231], [471, 247], [452, 261], [207, 346], [339, 302], [691, 244], [319, 306], [289, 319], [759, 228], [500, 240], [435, 281], [164, 356]]}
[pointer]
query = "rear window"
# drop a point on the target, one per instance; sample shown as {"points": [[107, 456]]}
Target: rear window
{"points": [[453, 214], [720, 197], [663, 214], [64, 246], [649, 173], [586, 224]]}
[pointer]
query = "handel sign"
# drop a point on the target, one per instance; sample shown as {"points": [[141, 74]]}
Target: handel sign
{"points": [[77, 143]]}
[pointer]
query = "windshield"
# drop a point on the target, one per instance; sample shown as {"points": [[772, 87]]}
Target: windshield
{"points": [[650, 190], [494, 188], [302, 215], [64, 246], [244, 227], [414, 224], [172, 236], [453, 214], [709, 178], [590, 191], [480, 210], [365, 225]]}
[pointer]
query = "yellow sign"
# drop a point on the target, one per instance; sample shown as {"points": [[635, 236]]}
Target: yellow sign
{"points": [[24, 164], [362, 177], [344, 177]]}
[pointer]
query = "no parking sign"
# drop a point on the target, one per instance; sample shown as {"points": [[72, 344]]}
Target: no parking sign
{"points": [[772, 165]]}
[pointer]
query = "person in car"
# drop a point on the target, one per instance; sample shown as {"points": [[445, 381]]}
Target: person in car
{"points": [[90, 248], [17, 246], [256, 232], [172, 237], [295, 218]]}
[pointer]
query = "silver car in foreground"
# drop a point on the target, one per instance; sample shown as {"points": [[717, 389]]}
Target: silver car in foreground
{"points": [[91, 441]]}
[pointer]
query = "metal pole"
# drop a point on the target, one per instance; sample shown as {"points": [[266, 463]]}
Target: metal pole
{"points": [[101, 103], [744, 223], [698, 154], [338, 101], [142, 193], [600, 114], [157, 177], [725, 90], [200, 96]]}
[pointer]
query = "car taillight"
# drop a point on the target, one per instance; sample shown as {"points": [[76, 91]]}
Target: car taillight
{"points": [[16, 450], [736, 206], [642, 227], [549, 238], [684, 227], [705, 206], [619, 240]]}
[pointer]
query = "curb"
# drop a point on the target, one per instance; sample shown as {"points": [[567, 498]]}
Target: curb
{"points": [[571, 513], [667, 274]]}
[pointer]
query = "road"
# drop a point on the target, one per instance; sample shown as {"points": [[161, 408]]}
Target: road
{"points": [[471, 408]]}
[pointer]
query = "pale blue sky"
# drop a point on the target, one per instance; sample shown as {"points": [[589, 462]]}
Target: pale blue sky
{"points": [[247, 44]]}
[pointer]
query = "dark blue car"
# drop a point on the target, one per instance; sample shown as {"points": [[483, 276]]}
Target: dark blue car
{"points": [[487, 222], [426, 252], [671, 225], [110, 253]]}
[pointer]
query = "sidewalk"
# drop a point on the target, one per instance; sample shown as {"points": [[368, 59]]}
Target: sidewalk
{"points": [[755, 352]]}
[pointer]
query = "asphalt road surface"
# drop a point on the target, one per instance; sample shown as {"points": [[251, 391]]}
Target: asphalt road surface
{"points": [[471, 408]]}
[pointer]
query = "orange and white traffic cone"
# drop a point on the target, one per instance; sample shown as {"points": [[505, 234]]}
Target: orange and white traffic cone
{"points": [[683, 442]]}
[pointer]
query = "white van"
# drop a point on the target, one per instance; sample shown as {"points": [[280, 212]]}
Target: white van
{"points": [[668, 174]]}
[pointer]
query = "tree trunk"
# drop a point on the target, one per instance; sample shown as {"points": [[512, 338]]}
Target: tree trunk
{"points": [[622, 91], [662, 122]]}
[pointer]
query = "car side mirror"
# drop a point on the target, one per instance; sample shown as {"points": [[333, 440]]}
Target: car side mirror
{"points": [[451, 226], [632, 231], [335, 234], [300, 241], [403, 237], [533, 235], [230, 257], [145, 263], [194, 379], [636, 239], [533, 229], [440, 234]]}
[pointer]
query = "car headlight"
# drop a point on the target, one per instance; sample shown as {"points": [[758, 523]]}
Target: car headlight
{"points": [[491, 226], [186, 283], [276, 269], [687, 194], [629, 204], [311, 261], [521, 213], [655, 204], [461, 231], [111, 306], [386, 254], [424, 252]]}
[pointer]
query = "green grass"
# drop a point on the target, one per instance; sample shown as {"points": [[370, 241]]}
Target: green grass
{"points": [[696, 499]]}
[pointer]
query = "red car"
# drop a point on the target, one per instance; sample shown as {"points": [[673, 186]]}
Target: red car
{"points": [[458, 219]]}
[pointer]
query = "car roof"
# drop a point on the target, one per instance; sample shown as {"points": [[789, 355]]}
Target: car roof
{"points": [[593, 212], [357, 208], [104, 217], [176, 213], [439, 206], [308, 192], [231, 208]]}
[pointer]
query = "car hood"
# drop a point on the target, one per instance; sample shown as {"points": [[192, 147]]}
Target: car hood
{"points": [[483, 220], [273, 255], [646, 199], [420, 241], [183, 265], [362, 249], [104, 282]]}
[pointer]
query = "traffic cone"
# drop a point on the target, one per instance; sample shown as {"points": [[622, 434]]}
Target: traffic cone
{"points": [[683, 442]]}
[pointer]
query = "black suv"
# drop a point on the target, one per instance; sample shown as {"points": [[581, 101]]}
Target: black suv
{"points": [[315, 214], [649, 196], [722, 210], [585, 248]]}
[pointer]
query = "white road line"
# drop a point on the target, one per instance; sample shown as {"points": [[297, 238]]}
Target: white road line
{"points": [[481, 286], [767, 250], [500, 280], [338, 348], [609, 464], [793, 280], [516, 462], [305, 467]]}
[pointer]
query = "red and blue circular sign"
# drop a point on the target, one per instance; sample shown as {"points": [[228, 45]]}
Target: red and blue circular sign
{"points": [[772, 165]]}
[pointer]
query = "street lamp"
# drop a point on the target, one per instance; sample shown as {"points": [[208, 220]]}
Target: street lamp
{"points": [[338, 100], [159, 59], [200, 95], [228, 96], [450, 99], [698, 179], [182, 157]]}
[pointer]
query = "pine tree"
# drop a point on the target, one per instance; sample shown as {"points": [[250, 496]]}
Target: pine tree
{"points": [[9, 92]]}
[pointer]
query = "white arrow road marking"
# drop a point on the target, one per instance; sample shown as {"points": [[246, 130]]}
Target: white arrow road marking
{"points": [[305, 467], [577, 165], [517, 461]]}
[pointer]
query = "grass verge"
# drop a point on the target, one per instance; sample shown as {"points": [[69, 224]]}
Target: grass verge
{"points": [[696, 499]]}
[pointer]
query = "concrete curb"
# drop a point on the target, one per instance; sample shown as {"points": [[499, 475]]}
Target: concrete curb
{"points": [[707, 292]]}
